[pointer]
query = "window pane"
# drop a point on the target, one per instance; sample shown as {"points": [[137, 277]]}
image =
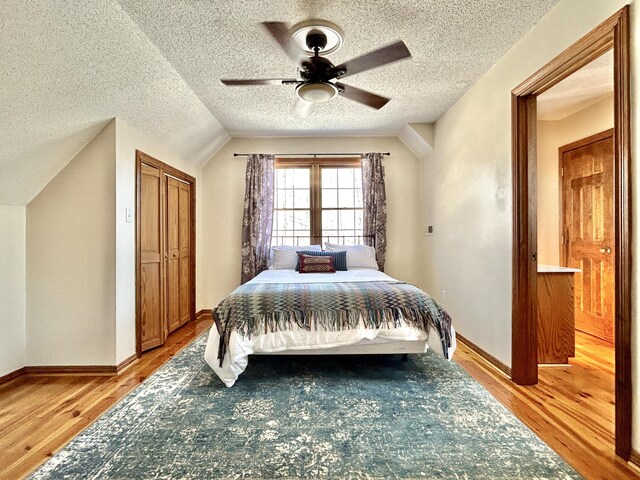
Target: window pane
{"points": [[290, 177], [301, 177], [288, 198], [329, 198], [357, 177], [292, 191], [358, 197], [285, 219], [281, 174], [287, 240], [345, 177], [346, 220], [351, 240], [345, 198], [301, 199], [359, 224], [329, 177], [329, 220], [301, 220]]}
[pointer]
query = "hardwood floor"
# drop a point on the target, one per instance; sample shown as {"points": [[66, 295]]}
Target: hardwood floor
{"points": [[571, 408], [39, 414]]}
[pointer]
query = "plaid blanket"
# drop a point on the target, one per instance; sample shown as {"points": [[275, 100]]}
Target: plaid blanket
{"points": [[257, 308]]}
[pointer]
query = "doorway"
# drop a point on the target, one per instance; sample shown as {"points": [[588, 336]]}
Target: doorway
{"points": [[613, 34]]}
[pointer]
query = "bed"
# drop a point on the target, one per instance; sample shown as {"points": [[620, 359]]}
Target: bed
{"points": [[235, 336]]}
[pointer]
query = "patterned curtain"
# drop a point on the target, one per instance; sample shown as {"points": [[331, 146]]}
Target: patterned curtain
{"points": [[257, 220], [375, 205]]}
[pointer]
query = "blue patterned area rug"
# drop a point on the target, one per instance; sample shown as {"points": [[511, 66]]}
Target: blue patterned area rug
{"points": [[364, 417]]}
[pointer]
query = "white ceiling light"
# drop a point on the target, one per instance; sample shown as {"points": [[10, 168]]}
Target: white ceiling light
{"points": [[316, 92]]}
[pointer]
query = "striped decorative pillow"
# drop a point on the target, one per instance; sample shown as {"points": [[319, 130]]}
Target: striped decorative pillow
{"points": [[339, 258], [316, 264]]}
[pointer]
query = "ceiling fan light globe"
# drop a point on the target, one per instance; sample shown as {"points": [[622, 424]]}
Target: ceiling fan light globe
{"points": [[316, 92]]}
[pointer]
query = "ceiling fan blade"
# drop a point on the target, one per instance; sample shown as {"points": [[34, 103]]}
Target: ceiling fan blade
{"points": [[280, 32], [362, 96], [264, 81], [383, 56], [300, 109]]}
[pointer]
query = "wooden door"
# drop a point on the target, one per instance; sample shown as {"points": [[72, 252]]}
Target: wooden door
{"points": [[165, 251], [178, 252], [173, 253], [588, 230], [151, 292], [184, 242]]}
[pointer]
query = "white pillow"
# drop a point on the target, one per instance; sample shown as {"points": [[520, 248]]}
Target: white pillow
{"points": [[286, 256], [358, 256]]}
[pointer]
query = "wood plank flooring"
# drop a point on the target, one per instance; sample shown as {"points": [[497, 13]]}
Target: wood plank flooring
{"points": [[39, 414], [571, 408]]}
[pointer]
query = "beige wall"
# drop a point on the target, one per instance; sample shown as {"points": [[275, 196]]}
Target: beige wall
{"points": [[552, 135], [128, 140], [223, 184], [12, 288], [71, 261], [81, 252], [468, 180]]}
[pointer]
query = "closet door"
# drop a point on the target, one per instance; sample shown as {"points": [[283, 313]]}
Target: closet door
{"points": [[173, 253], [178, 253], [185, 222], [165, 256], [151, 301]]}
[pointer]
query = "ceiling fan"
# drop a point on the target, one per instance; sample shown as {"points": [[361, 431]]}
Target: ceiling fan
{"points": [[317, 72]]}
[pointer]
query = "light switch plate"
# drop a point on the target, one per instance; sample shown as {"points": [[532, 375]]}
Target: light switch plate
{"points": [[128, 215]]}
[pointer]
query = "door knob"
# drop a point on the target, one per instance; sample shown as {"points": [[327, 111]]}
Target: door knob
{"points": [[605, 250]]}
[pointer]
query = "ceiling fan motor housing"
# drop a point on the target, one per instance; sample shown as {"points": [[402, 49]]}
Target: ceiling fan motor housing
{"points": [[316, 40]]}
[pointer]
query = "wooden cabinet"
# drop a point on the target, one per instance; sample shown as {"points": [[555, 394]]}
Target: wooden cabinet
{"points": [[166, 248], [556, 319]]}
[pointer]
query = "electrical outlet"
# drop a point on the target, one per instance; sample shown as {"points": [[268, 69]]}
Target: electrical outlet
{"points": [[444, 295], [428, 230]]}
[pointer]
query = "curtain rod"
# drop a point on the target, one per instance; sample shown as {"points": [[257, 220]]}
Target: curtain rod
{"points": [[309, 154]]}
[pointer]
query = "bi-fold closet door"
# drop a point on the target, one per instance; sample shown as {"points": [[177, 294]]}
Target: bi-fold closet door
{"points": [[165, 243]]}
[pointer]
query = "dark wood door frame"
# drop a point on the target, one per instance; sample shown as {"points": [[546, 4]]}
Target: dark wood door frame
{"points": [[141, 158], [611, 34]]}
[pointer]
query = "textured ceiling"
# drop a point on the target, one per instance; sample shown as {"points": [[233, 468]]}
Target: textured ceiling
{"points": [[453, 43], [68, 66], [585, 87], [66, 69]]}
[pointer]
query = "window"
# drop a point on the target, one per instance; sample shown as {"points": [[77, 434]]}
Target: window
{"points": [[317, 200]]}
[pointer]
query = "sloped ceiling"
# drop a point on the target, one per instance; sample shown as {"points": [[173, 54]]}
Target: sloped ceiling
{"points": [[66, 69], [68, 66], [587, 86]]}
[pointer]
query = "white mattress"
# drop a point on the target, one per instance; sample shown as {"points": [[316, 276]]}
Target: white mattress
{"points": [[236, 358]]}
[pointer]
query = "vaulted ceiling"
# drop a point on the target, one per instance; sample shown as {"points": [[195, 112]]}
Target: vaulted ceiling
{"points": [[68, 66]]}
